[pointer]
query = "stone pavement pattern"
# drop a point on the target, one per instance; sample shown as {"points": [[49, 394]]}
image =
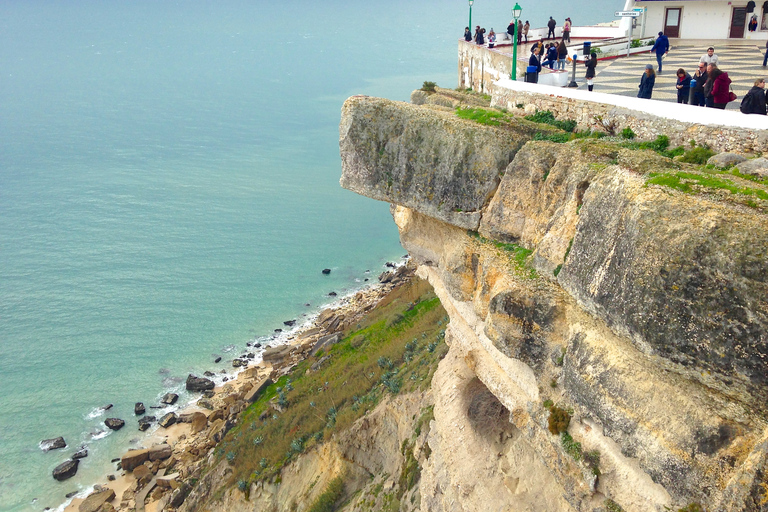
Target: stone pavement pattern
{"points": [[622, 76]]}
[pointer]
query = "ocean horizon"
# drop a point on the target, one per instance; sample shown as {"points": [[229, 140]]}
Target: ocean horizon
{"points": [[169, 193]]}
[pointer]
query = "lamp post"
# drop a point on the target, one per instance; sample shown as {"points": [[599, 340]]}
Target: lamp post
{"points": [[516, 12], [470, 14]]}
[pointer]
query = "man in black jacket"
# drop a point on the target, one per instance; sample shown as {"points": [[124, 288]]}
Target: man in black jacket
{"points": [[551, 24], [698, 92]]}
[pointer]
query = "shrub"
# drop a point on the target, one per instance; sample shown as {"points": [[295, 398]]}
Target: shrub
{"points": [[627, 133], [547, 117], [326, 501], [558, 420], [428, 87], [612, 506], [698, 155], [692, 507]]}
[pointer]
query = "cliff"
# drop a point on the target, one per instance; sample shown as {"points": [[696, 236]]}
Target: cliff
{"points": [[608, 312]]}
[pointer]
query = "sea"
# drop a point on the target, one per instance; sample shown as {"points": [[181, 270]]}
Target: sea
{"points": [[169, 193]]}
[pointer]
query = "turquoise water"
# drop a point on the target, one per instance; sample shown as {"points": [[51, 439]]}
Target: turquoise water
{"points": [[169, 191]]}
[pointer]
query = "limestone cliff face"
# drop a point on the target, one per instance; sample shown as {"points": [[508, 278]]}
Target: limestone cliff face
{"points": [[641, 311]]}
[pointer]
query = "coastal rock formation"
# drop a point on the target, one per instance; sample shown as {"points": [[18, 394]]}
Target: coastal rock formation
{"points": [[575, 288], [52, 444], [114, 423], [195, 383], [66, 469], [169, 398], [139, 409]]}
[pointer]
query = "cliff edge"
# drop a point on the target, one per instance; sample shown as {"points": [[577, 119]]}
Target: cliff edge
{"points": [[608, 311]]}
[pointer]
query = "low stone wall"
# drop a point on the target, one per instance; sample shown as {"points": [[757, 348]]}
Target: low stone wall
{"points": [[720, 130]]}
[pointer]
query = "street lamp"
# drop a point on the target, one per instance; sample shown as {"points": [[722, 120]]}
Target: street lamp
{"points": [[517, 11], [470, 14]]}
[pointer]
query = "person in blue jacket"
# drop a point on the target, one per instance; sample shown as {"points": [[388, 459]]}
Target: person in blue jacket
{"points": [[647, 82], [661, 47]]}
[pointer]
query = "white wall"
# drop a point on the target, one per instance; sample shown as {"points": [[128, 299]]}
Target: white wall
{"points": [[700, 19]]}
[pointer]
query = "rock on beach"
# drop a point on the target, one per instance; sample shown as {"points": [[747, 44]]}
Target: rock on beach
{"points": [[52, 444], [66, 469], [195, 383], [114, 423]]}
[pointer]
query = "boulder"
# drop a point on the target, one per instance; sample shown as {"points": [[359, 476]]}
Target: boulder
{"points": [[217, 360], [179, 495], [142, 474], [195, 383], [96, 499], [199, 422], [253, 394], [167, 481], [168, 420], [66, 469], [326, 271], [106, 407], [209, 373], [170, 398], [133, 459], [276, 354], [146, 422], [325, 342], [755, 167], [139, 409], [332, 294], [237, 363], [52, 444], [726, 159], [290, 323], [81, 453], [160, 452], [114, 423]]}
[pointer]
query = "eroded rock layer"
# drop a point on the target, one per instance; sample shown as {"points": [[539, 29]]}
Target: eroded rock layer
{"points": [[572, 285]]}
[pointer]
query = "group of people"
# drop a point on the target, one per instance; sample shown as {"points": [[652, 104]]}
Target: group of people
{"points": [[520, 31], [551, 55], [708, 87]]}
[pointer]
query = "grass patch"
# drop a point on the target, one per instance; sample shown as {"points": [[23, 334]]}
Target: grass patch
{"points": [[547, 117], [482, 115], [394, 349], [692, 183], [612, 506], [519, 256]]}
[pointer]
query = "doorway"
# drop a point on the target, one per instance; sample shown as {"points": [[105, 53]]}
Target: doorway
{"points": [[738, 20], [672, 21]]}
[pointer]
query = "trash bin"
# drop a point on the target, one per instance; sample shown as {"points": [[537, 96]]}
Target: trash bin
{"points": [[587, 48], [531, 75]]}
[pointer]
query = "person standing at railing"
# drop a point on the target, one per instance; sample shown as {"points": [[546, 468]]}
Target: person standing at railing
{"points": [[526, 28], [683, 86], [567, 30], [491, 39], [479, 37], [520, 31], [765, 59], [551, 24], [467, 34]]}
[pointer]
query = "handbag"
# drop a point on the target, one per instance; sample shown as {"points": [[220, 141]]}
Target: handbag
{"points": [[731, 95]]}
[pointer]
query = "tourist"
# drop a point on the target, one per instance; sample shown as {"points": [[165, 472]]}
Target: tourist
{"points": [[551, 24], [755, 100], [698, 90], [590, 62], [520, 32], [511, 31], [534, 60], [479, 37], [526, 28], [765, 59], [719, 87], [661, 47], [491, 39], [467, 34], [647, 82], [551, 56], [709, 57], [562, 55], [567, 30], [683, 86]]}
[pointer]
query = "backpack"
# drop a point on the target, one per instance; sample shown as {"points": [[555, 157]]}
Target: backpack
{"points": [[746, 104]]}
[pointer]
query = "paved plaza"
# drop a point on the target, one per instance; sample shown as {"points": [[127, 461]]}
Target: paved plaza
{"points": [[621, 76]]}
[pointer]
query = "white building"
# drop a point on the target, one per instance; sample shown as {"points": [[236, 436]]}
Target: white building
{"points": [[702, 19]]}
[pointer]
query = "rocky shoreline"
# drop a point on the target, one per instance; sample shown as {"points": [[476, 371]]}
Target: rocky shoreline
{"points": [[153, 477]]}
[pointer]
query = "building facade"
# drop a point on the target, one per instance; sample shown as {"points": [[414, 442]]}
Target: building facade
{"points": [[704, 19]]}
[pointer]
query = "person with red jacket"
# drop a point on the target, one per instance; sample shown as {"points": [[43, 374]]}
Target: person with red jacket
{"points": [[720, 86]]}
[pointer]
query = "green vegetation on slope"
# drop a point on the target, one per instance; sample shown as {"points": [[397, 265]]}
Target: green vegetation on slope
{"points": [[395, 349]]}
